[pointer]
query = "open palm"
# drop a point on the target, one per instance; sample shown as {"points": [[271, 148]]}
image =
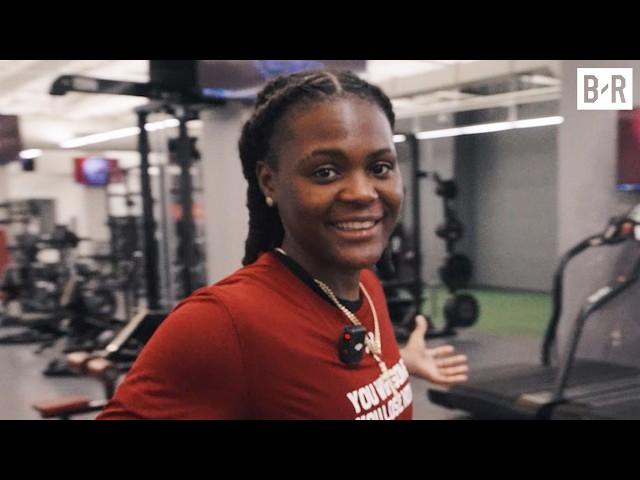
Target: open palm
{"points": [[439, 365]]}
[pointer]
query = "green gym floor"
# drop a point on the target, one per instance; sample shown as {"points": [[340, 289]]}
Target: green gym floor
{"points": [[505, 312]]}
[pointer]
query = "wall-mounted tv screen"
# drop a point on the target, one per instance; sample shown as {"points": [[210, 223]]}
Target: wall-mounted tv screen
{"points": [[228, 79], [629, 150], [233, 79], [95, 171]]}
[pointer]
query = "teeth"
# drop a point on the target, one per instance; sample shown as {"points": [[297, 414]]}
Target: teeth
{"points": [[355, 225]]}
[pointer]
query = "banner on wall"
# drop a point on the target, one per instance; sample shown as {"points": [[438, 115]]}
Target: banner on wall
{"points": [[629, 150], [10, 140]]}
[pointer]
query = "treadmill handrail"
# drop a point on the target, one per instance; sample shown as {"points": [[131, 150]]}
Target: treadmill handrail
{"points": [[595, 301], [558, 278], [615, 233]]}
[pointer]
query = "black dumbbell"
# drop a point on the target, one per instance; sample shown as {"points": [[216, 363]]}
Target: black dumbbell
{"points": [[451, 230], [461, 311], [456, 272]]}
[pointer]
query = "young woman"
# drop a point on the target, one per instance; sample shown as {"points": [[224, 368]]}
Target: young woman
{"points": [[302, 330]]}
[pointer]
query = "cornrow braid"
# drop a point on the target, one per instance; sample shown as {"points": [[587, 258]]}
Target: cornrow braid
{"points": [[275, 100]]}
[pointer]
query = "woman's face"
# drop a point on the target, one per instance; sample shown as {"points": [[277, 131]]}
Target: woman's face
{"points": [[337, 186]]}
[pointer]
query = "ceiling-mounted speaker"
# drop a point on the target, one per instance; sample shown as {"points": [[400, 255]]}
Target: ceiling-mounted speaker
{"points": [[28, 164]]}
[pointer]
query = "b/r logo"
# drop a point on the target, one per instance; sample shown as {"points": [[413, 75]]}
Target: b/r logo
{"points": [[605, 88]]}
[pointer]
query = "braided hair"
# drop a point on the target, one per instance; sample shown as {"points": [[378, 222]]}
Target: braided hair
{"points": [[276, 100]]}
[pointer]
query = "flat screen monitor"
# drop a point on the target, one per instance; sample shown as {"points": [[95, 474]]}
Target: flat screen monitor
{"points": [[242, 79], [95, 171]]}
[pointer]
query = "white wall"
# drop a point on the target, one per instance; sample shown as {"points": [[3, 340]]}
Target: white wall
{"points": [[3, 183], [225, 190], [508, 184]]}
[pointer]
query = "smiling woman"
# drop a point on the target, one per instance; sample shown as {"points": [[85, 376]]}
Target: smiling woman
{"points": [[336, 187], [302, 331]]}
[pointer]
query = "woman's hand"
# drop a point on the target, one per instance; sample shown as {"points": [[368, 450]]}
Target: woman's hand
{"points": [[436, 365]]}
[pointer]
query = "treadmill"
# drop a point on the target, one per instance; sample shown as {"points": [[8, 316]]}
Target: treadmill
{"points": [[576, 389], [617, 402]]}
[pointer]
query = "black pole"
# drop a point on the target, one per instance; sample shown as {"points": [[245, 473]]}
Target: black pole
{"points": [[148, 221], [416, 175], [186, 203]]}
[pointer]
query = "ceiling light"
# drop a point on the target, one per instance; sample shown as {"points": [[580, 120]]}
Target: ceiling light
{"points": [[484, 128], [540, 80], [100, 137], [30, 153], [538, 122], [119, 133]]}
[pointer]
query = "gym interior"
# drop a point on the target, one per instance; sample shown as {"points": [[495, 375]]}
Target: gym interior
{"points": [[121, 192]]}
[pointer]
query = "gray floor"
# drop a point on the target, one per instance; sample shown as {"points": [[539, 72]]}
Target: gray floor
{"points": [[483, 350], [22, 381]]}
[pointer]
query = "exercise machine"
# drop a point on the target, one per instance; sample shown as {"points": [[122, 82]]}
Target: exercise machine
{"points": [[576, 388]]}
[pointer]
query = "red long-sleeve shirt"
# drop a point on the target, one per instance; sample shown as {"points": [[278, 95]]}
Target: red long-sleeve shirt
{"points": [[262, 344]]}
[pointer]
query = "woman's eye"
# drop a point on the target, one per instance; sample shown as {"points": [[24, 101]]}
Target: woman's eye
{"points": [[381, 168], [325, 173]]}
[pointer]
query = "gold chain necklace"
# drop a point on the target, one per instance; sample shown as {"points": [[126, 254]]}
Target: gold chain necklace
{"points": [[372, 340]]}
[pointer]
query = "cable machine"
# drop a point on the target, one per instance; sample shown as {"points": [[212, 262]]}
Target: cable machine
{"points": [[167, 95]]}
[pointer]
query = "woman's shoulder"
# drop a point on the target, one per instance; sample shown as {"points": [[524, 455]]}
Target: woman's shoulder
{"points": [[257, 283]]}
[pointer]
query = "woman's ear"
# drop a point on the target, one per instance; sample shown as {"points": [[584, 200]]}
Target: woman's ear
{"points": [[266, 179]]}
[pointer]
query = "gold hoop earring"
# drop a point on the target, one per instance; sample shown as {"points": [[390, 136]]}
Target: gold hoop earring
{"points": [[269, 201]]}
